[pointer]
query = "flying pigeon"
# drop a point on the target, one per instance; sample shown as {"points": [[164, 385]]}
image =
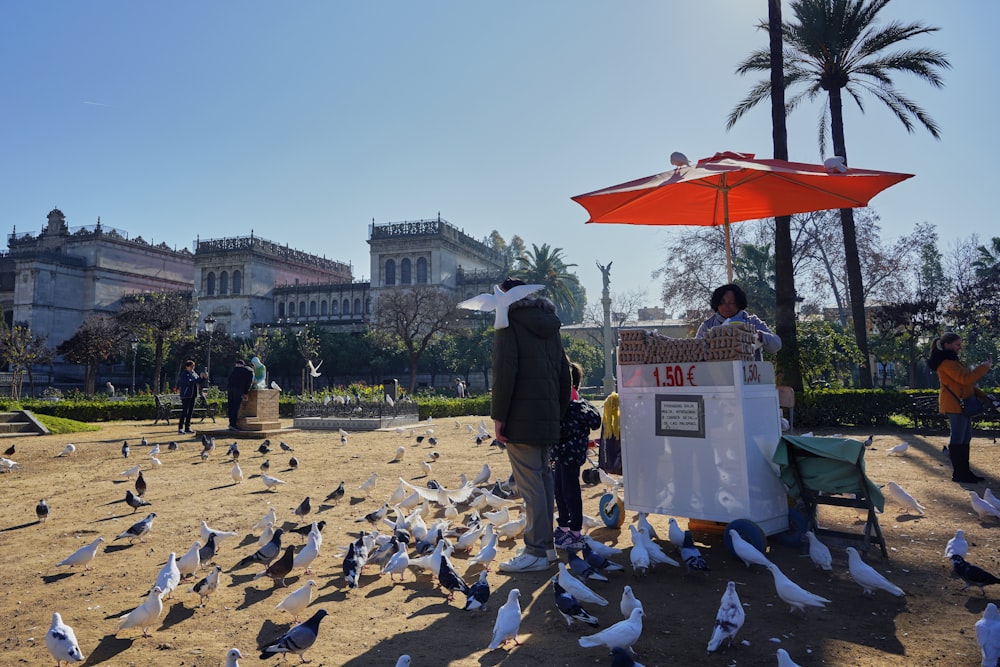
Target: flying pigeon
{"points": [[508, 621], [42, 510], [336, 494], [957, 546], [899, 449], [280, 568], [622, 634], [140, 529], [987, 635], [297, 640], [265, 554], [745, 551], [792, 594], [570, 607], [83, 555], [867, 577], [900, 495], [297, 601], [785, 660], [169, 576], [577, 588], [819, 553], [629, 602], [478, 594], [728, 620], [271, 482], [972, 575], [499, 301], [233, 657], [145, 614], [62, 644], [67, 451]]}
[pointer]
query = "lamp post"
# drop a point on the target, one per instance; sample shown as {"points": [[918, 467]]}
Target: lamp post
{"points": [[135, 352], [209, 327]]}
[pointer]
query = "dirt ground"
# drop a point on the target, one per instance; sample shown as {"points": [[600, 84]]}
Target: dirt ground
{"points": [[379, 621]]}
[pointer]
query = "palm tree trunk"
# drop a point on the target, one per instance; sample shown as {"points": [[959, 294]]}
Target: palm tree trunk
{"points": [[784, 271], [855, 283]]}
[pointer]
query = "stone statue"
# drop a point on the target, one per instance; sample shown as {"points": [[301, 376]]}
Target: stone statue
{"points": [[605, 273], [259, 374]]}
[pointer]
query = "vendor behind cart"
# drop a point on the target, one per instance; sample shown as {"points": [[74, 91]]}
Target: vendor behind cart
{"points": [[729, 303]]}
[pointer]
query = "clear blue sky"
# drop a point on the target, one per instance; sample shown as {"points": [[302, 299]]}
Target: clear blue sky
{"points": [[303, 121]]}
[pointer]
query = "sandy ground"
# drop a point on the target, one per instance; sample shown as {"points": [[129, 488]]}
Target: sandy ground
{"points": [[375, 624]]}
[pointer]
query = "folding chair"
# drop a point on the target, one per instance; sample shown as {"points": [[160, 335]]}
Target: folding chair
{"points": [[814, 468]]}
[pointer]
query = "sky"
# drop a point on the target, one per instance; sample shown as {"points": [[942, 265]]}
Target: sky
{"points": [[303, 122]]}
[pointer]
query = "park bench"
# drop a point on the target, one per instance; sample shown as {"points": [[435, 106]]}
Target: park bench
{"points": [[924, 412], [169, 405]]}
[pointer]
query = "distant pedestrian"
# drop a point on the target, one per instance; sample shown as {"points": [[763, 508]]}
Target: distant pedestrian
{"points": [[459, 388], [111, 389], [188, 383]]}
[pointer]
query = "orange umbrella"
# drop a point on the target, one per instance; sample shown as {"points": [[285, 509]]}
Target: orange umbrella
{"points": [[730, 187]]}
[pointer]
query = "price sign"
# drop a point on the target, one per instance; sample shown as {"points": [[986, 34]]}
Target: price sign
{"points": [[680, 415], [673, 376], [697, 375]]}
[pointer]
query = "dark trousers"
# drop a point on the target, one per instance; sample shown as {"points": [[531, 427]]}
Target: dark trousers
{"points": [[233, 406], [569, 499], [187, 411]]}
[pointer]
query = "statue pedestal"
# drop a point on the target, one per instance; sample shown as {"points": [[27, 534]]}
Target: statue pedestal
{"points": [[260, 411]]}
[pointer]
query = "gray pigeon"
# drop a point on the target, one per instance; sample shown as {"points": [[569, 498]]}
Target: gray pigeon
{"points": [[207, 552], [265, 554], [304, 508], [42, 510], [570, 607], [134, 501], [298, 640], [140, 529]]}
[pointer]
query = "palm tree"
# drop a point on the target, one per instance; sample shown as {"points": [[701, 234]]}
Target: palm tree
{"points": [[833, 46], [987, 263], [545, 266]]}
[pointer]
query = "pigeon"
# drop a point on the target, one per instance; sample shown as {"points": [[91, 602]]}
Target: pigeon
{"points": [[990, 498], [169, 576], [280, 568], [297, 640], [745, 551], [125, 449], [10, 451], [642, 521], [220, 535], [271, 517], [264, 448], [601, 548], [792, 594], [307, 554], [900, 495], [868, 441], [499, 301], [478, 594], [274, 385], [285, 447], [172, 446], [622, 658], [403, 661], [189, 563], [512, 529], [68, 451], [204, 455], [693, 560], [233, 657], [483, 476], [131, 472], [728, 620], [308, 528], [296, 601], [234, 451], [350, 566], [622, 634], [145, 614], [400, 453], [570, 607], [143, 441], [867, 577], [82, 556], [819, 553], [508, 621], [140, 529], [577, 588], [304, 508], [972, 575], [785, 660], [426, 467], [628, 602], [236, 472], [375, 516], [957, 546], [678, 159], [899, 449], [487, 552], [155, 450], [369, 484], [265, 554], [62, 644], [600, 562], [140, 484], [639, 556], [207, 552], [155, 461], [582, 568], [336, 494], [205, 587], [42, 510], [266, 535], [653, 550], [983, 508], [207, 443], [270, 482], [450, 580], [397, 563], [987, 635]]}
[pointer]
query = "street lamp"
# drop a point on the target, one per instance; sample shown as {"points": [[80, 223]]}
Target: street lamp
{"points": [[209, 327], [135, 352]]}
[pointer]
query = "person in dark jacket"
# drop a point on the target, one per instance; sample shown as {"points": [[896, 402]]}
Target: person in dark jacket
{"points": [[531, 391], [189, 384], [240, 381]]}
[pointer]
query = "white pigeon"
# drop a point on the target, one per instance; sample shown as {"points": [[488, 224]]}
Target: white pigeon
{"points": [[899, 449], [131, 472], [623, 633], [819, 553], [426, 467], [629, 602], [987, 635], [900, 495], [270, 482], [271, 517], [600, 548], [990, 498], [307, 554], [678, 159], [728, 620], [983, 508], [189, 563], [577, 588], [639, 557], [155, 461], [792, 594], [674, 534], [233, 657], [397, 563], [220, 535], [499, 301], [655, 551], [867, 577], [400, 453], [488, 550], [483, 476], [642, 521], [369, 484], [82, 556], [835, 164], [512, 528], [236, 472], [62, 644], [169, 575], [296, 601], [508, 621], [208, 585], [957, 546], [155, 450], [145, 614], [610, 482], [274, 385], [67, 451], [747, 552], [785, 660], [501, 516]]}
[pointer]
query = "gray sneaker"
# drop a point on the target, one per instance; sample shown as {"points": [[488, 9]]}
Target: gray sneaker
{"points": [[525, 562]]}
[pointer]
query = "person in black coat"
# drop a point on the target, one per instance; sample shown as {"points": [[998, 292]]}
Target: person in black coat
{"points": [[240, 381]]}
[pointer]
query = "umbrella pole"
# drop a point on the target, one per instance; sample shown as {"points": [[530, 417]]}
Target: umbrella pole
{"points": [[725, 228], [729, 253]]}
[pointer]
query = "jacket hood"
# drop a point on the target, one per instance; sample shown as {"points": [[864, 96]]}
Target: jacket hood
{"points": [[537, 315]]}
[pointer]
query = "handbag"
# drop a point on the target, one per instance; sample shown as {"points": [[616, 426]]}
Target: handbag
{"points": [[972, 406]]}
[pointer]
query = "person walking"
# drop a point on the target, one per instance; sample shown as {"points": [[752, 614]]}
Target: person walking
{"points": [[957, 384], [531, 391], [240, 381], [189, 384]]}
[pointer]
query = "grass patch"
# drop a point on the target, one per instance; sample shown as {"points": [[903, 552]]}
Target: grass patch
{"points": [[61, 425]]}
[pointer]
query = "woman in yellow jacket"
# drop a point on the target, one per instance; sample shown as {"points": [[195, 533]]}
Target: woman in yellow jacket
{"points": [[957, 382]]}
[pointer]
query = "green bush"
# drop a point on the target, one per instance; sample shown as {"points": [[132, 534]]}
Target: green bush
{"points": [[438, 407]]}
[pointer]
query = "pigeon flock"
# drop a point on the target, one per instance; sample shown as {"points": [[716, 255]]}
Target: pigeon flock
{"points": [[408, 525]]}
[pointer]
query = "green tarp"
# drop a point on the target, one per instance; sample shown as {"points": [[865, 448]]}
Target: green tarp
{"points": [[829, 465]]}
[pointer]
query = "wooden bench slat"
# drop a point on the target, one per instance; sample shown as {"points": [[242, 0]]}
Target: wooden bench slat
{"points": [[168, 405]]}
